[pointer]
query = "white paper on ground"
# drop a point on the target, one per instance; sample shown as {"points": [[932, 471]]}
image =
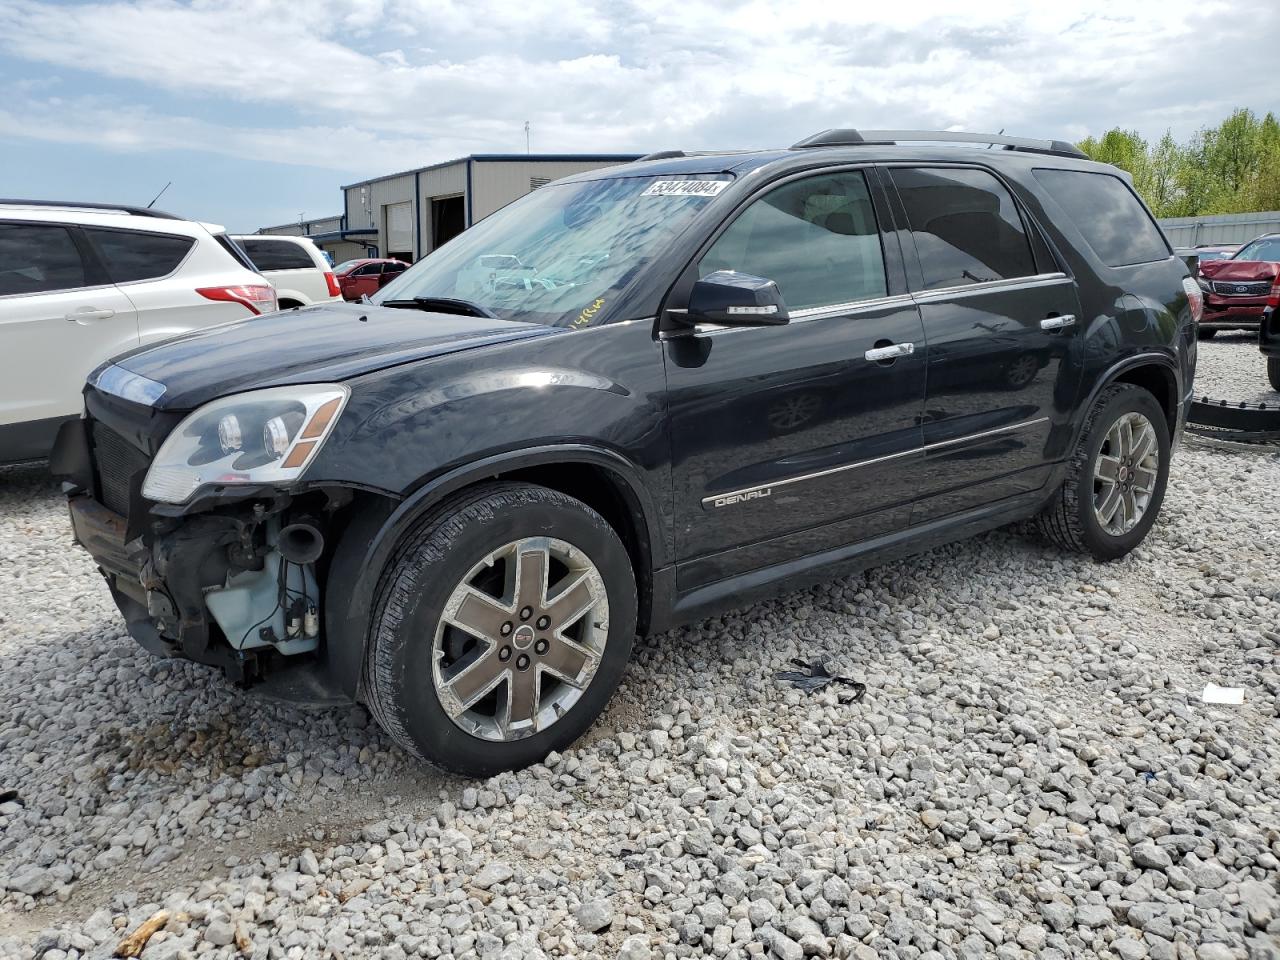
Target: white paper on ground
{"points": [[1229, 695]]}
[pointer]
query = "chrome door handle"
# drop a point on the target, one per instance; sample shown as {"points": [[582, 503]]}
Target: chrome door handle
{"points": [[891, 351], [1057, 323], [90, 313]]}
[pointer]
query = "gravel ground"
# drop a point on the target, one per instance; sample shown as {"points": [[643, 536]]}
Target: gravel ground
{"points": [[1032, 772]]}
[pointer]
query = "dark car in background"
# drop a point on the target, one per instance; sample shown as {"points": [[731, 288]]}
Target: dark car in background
{"points": [[1237, 290], [365, 277], [630, 399]]}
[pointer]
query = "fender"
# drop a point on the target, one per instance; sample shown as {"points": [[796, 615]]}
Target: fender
{"points": [[1112, 372], [369, 542]]}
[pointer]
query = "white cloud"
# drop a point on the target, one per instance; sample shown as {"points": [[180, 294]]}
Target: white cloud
{"points": [[374, 86]]}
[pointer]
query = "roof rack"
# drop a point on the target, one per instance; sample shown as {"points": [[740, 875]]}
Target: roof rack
{"points": [[848, 137], [76, 205]]}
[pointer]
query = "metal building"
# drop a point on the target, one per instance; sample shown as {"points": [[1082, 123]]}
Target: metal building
{"points": [[407, 215], [332, 236]]}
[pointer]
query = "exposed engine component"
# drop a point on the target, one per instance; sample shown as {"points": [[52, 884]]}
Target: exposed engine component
{"points": [[274, 606], [301, 541]]}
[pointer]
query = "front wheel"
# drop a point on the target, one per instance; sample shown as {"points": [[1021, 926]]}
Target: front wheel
{"points": [[502, 627], [1273, 372], [1116, 479]]}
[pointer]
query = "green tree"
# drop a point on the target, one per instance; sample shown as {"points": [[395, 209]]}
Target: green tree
{"points": [[1233, 167]]}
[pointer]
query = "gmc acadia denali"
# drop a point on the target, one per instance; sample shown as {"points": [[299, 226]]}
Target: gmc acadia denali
{"points": [[632, 398]]}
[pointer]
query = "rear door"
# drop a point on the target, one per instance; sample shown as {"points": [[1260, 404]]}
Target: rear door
{"points": [[289, 266], [145, 266], [790, 440], [389, 272], [1000, 320], [60, 316]]}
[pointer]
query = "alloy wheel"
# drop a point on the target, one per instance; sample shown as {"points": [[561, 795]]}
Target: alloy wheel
{"points": [[520, 639], [1124, 474]]}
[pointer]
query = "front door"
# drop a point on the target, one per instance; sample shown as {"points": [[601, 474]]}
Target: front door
{"points": [[788, 440], [1000, 320], [59, 318]]}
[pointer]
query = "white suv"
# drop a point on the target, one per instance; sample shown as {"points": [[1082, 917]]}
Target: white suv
{"points": [[295, 266], [82, 282]]}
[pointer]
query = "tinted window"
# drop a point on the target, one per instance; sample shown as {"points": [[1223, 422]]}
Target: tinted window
{"points": [[1103, 208], [37, 259], [277, 255], [816, 238], [393, 267], [368, 270], [966, 227], [138, 256]]}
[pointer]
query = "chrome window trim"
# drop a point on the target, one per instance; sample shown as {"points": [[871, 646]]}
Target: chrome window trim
{"points": [[948, 293], [804, 315], [829, 471]]}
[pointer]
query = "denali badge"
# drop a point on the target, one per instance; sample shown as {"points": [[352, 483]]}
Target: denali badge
{"points": [[731, 499]]}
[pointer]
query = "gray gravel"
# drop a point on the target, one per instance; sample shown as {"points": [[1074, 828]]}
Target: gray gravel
{"points": [[1031, 774]]}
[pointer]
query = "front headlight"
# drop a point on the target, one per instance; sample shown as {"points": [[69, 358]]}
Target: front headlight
{"points": [[265, 436]]}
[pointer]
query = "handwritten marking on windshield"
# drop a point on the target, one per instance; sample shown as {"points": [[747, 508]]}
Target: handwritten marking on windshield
{"points": [[588, 312]]}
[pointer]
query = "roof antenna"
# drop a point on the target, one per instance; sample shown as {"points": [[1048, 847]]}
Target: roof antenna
{"points": [[159, 195]]}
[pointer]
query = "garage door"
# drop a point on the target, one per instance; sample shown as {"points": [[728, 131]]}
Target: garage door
{"points": [[399, 229]]}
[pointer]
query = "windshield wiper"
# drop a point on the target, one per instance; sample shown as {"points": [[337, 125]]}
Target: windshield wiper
{"points": [[463, 308]]}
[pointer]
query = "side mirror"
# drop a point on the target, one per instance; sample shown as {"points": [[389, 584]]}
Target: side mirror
{"points": [[736, 300]]}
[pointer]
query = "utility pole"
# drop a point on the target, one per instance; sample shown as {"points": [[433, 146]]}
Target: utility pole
{"points": [[526, 136]]}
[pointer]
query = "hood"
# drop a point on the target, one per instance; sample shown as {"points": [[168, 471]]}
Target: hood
{"points": [[323, 343], [1239, 270]]}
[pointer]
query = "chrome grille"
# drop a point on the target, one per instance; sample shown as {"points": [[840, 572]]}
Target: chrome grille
{"points": [[1243, 288], [116, 462]]}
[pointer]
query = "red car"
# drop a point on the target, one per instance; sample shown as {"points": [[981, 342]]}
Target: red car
{"points": [[1238, 290], [358, 278]]}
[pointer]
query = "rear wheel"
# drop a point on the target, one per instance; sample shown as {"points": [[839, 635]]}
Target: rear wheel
{"points": [[1273, 372], [1116, 479], [502, 627], [1204, 334]]}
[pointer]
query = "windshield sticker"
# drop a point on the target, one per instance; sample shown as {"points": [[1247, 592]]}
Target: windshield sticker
{"points": [[685, 188], [588, 312]]}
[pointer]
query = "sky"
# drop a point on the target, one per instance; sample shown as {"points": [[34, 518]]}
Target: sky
{"points": [[259, 110]]}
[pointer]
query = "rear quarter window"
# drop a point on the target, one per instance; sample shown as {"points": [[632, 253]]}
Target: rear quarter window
{"points": [[1105, 210], [277, 255], [133, 256]]}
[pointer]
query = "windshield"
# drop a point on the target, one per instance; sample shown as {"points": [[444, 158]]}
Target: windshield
{"points": [[561, 255], [1264, 248]]}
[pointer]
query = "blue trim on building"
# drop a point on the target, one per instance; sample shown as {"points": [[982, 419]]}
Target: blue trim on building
{"points": [[417, 214], [470, 161]]}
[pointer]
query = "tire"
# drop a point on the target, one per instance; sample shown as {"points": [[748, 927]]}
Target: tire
{"points": [[1273, 372], [475, 538], [1204, 334], [1070, 520]]}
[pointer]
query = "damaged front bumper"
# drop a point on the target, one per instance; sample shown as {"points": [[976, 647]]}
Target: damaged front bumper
{"points": [[236, 585]]}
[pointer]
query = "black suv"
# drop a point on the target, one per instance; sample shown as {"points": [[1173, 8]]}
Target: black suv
{"points": [[632, 398]]}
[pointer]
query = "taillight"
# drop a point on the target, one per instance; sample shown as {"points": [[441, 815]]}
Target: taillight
{"points": [[258, 297], [1195, 298], [332, 282], [1273, 298]]}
